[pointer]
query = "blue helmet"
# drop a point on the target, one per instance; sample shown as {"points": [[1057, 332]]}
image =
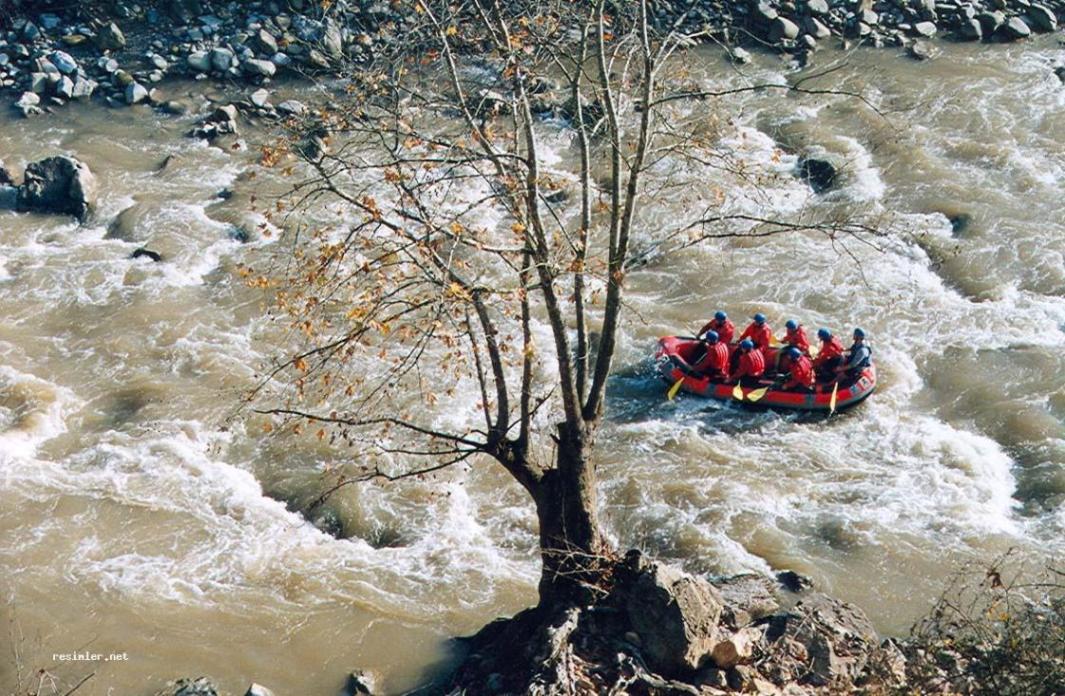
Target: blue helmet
{"points": [[858, 333], [824, 334], [759, 318], [711, 337], [720, 316], [746, 344], [793, 352], [791, 324]]}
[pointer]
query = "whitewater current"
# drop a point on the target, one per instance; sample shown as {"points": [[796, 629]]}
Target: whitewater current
{"points": [[139, 517]]}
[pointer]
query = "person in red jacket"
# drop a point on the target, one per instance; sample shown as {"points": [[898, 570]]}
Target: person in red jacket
{"points": [[831, 355], [796, 336], [800, 371], [715, 363], [751, 363], [759, 332], [724, 328]]}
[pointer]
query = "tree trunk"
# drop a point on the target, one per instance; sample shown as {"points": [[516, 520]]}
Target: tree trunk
{"points": [[571, 544]]}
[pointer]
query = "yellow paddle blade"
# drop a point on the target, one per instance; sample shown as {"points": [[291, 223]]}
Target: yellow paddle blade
{"points": [[814, 350], [674, 389], [737, 392], [757, 394], [832, 401]]}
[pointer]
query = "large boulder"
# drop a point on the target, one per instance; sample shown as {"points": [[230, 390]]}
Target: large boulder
{"points": [[5, 175], [747, 598], [1014, 28], [825, 642], [675, 616], [58, 185], [1042, 19]]}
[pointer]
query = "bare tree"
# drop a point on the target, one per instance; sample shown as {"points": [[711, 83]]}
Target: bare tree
{"points": [[462, 241]]}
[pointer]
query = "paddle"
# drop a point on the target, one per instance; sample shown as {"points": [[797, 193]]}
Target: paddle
{"points": [[737, 392], [674, 389], [832, 401], [757, 394]]}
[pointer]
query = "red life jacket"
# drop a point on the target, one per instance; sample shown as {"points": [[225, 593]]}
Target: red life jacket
{"points": [[762, 335], [725, 330], [798, 339], [831, 348], [752, 364], [715, 360], [802, 373]]}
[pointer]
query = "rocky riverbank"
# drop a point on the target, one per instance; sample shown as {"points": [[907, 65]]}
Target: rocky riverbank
{"points": [[653, 629], [119, 52]]}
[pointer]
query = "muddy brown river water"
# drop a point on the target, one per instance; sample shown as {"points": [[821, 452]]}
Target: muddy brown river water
{"points": [[137, 518]]}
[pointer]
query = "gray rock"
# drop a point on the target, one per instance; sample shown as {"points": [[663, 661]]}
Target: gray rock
{"points": [[201, 686], [221, 58], [990, 22], [741, 56], [815, 28], [922, 50], [1015, 28], [38, 82], [1060, 72], [135, 93], [263, 68], [783, 28], [159, 62], [59, 185], [333, 40], [30, 32], [675, 615], [280, 59], [5, 175], [837, 637], [258, 690], [260, 98], [764, 13], [110, 38], [199, 61], [122, 78], [221, 121], [361, 683], [8, 197], [83, 88], [108, 65], [817, 7], [65, 88], [28, 99], [869, 17], [50, 21], [176, 107], [747, 598], [292, 107], [820, 174], [265, 42], [971, 30], [926, 29], [63, 62], [1042, 19], [316, 59]]}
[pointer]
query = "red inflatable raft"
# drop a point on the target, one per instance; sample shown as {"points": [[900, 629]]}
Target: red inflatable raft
{"points": [[675, 355]]}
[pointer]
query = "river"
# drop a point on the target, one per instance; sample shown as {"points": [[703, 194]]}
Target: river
{"points": [[138, 517]]}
